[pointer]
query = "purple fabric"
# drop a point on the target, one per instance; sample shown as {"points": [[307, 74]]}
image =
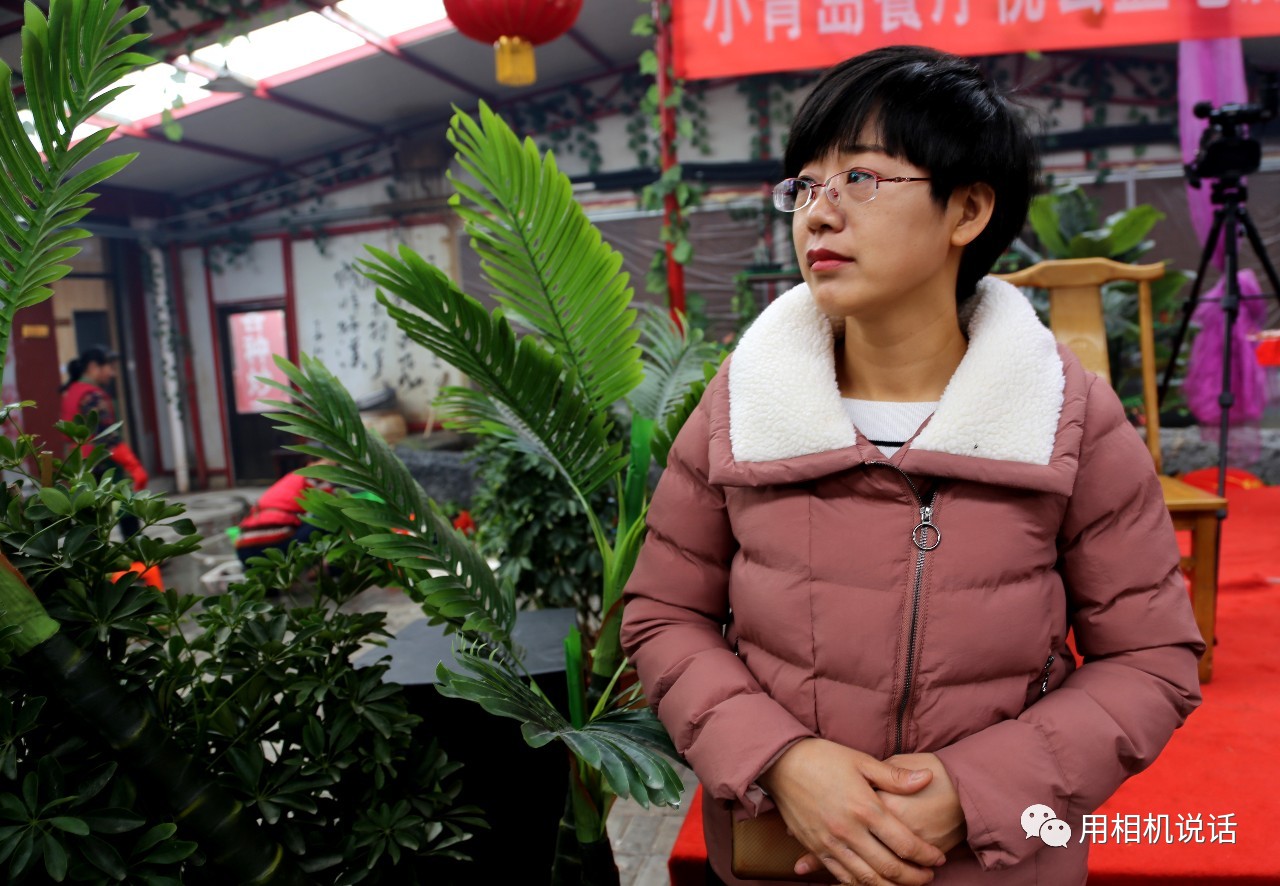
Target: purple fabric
{"points": [[1212, 71], [1204, 367]]}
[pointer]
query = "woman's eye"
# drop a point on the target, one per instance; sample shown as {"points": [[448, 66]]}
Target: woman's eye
{"points": [[857, 177]]}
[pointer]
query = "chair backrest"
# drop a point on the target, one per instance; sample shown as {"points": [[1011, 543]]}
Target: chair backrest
{"points": [[1076, 318]]}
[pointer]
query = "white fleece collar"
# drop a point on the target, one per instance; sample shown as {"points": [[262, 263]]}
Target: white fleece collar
{"points": [[1003, 402]]}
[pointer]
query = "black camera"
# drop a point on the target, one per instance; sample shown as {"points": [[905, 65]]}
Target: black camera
{"points": [[1224, 153]]}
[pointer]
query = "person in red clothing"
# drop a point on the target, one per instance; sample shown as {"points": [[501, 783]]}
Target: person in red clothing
{"points": [[84, 394], [276, 520]]}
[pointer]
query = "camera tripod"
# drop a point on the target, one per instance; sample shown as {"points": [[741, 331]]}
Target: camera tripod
{"points": [[1230, 215]]}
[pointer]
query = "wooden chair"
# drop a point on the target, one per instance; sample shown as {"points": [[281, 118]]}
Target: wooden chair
{"points": [[1075, 316]]}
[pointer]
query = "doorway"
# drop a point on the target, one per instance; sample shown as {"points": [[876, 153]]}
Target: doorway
{"points": [[252, 335]]}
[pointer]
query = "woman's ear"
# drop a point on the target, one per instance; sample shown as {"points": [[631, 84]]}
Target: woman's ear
{"points": [[976, 203]]}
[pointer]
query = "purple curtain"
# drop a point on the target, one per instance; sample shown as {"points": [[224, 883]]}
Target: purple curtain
{"points": [[1213, 71]]}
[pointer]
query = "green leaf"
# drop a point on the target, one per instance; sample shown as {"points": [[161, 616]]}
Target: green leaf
{"points": [[75, 826], [171, 128], [674, 356], [622, 745], [1043, 216], [70, 62], [573, 667], [445, 572], [545, 261], [55, 859], [155, 835], [104, 857], [55, 500], [666, 434], [113, 820], [526, 394], [1130, 227], [171, 852]]}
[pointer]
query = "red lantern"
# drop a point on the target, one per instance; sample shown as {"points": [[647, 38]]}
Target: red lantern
{"points": [[514, 27]]}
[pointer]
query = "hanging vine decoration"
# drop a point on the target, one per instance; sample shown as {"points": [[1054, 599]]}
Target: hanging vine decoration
{"points": [[564, 122], [687, 194], [170, 338]]}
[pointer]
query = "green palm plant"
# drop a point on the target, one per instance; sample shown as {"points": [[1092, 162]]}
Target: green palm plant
{"points": [[549, 367], [70, 65]]}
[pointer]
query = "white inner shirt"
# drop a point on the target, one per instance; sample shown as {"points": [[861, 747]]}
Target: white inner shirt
{"points": [[886, 424]]}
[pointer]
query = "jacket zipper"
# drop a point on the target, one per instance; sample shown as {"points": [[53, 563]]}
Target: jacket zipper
{"points": [[925, 536], [1044, 681]]}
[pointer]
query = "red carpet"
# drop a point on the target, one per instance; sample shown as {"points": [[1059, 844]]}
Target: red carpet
{"points": [[1224, 762]]}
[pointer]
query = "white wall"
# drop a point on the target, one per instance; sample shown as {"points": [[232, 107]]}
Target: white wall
{"points": [[254, 274], [341, 323], [200, 332]]}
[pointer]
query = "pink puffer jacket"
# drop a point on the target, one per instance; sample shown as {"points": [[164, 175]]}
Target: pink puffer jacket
{"points": [[782, 593]]}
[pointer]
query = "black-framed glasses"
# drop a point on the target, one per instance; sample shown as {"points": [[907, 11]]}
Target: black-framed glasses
{"points": [[855, 185]]}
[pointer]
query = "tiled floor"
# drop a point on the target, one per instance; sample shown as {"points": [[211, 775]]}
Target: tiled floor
{"points": [[642, 838]]}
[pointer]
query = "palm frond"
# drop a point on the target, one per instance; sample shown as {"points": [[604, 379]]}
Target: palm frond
{"points": [[670, 427], [526, 394], [69, 63], [673, 359], [444, 571], [625, 745], [545, 261]]}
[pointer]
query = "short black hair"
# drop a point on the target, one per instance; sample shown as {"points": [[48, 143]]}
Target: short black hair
{"points": [[98, 354], [939, 112]]}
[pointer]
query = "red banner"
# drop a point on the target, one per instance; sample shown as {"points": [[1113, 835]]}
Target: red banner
{"points": [[256, 337], [726, 38]]}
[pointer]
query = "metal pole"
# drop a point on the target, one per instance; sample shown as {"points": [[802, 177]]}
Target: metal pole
{"points": [[667, 142]]}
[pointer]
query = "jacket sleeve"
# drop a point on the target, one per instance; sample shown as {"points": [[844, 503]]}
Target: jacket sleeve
{"points": [[1135, 631], [677, 604]]}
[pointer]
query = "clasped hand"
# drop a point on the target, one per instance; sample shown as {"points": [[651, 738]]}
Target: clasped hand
{"points": [[867, 821]]}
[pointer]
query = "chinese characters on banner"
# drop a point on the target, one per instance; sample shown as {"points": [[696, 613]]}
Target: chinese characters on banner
{"points": [[724, 38], [256, 337]]}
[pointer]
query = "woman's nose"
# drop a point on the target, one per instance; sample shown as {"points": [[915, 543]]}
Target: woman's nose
{"points": [[822, 210]]}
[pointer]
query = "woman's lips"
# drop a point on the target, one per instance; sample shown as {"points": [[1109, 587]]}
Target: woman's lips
{"points": [[825, 260]]}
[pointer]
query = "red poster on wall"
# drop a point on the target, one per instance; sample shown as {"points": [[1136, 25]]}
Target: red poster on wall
{"points": [[256, 337], [725, 38]]}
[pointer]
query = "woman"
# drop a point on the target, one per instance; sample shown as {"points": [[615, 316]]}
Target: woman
{"points": [[84, 393], [888, 510], [276, 520]]}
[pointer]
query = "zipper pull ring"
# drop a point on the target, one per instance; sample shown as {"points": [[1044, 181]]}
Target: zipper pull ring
{"points": [[926, 536]]}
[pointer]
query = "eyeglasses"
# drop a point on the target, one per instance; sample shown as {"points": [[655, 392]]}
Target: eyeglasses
{"points": [[855, 185]]}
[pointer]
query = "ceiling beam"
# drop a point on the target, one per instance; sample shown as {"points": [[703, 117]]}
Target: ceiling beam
{"points": [[268, 94], [265, 93], [177, 38], [129, 130], [590, 48], [415, 126], [391, 48]]}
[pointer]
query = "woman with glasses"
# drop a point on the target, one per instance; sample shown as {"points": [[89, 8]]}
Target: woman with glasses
{"points": [[889, 509]]}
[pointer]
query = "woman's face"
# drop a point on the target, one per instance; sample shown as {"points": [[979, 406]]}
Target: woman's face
{"points": [[871, 259], [101, 374]]}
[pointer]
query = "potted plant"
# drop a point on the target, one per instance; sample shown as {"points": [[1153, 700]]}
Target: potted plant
{"points": [[1067, 224], [153, 736], [549, 391]]}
